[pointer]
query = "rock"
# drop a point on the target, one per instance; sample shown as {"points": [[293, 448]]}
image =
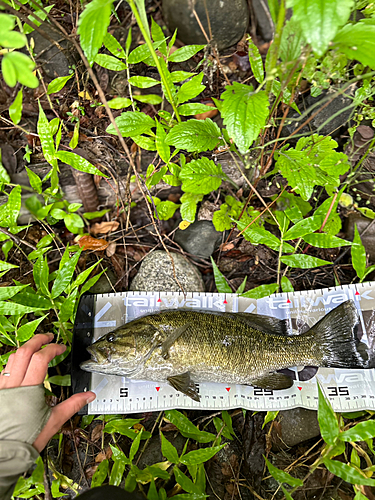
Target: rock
{"points": [[367, 233], [200, 239], [296, 426], [156, 274], [206, 210], [263, 18], [53, 62], [228, 20], [329, 119], [105, 284]]}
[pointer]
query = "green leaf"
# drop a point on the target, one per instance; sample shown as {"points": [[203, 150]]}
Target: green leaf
{"points": [[142, 52], [185, 53], [118, 468], [282, 476], [194, 135], [41, 14], [35, 180], [162, 148], [46, 138], [7, 292], [15, 309], [166, 209], [256, 62], [101, 473], [58, 83], [201, 176], [149, 99], [68, 306], [92, 27], [123, 427], [190, 89], [18, 67], [348, 473], [75, 138], [323, 240], [294, 166], [143, 82], [135, 445], [360, 432], [220, 281], [188, 429], [158, 35], [270, 416], [303, 227], [261, 291], [41, 274], [292, 41], [180, 76], [196, 457], [320, 20], [168, 450], [78, 163], [329, 427], [15, 109], [144, 142], [111, 44], [185, 483], [13, 206], [258, 235], [109, 62], [65, 274], [221, 218], [73, 223], [244, 113], [25, 332], [357, 41], [286, 285], [241, 288], [303, 261], [194, 108], [131, 123], [119, 103], [358, 254], [188, 207]]}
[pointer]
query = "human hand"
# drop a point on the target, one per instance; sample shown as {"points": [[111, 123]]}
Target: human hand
{"points": [[28, 366]]}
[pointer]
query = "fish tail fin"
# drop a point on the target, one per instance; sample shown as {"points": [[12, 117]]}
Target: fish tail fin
{"points": [[335, 333]]}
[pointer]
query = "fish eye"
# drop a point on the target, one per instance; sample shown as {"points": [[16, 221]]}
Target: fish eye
{"points": [[111, 337]]}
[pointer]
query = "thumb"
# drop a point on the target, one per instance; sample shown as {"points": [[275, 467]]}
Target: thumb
{"points": [[60, 414]]}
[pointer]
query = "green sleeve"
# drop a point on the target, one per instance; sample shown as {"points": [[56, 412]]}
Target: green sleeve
{"points": [[23, 414]]}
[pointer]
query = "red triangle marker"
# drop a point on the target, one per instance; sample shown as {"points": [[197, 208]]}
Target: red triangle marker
{"points": [[225, 302], [228, 389], [357, 293], [157, 388], [159, 300], [288, 301], [300, 388]]}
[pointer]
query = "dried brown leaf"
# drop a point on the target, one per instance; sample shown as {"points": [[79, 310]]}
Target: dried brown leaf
{"points": [[104, 227], [111, 249], [87, 242]]}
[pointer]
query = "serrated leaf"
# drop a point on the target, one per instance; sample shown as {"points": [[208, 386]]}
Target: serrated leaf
{"points": [[188, 207], [358, 253], [256, 61], [323, 240], [113, 46], [78, 163], [46, 138], [320, 20], [244, 113], [109, 62], [329, 427], [201, 176], [132, 123], [220, 281], [282, 476], [166, 209], [348, 473], [297, 170], [15, 109], [261, 291], [303, 261], [190, 89], [221, 219], [357, 41], [119, 103], [15, 309], [58, 83], [143, 82], [92, 27], [194, 135], [194, 108], [185, 53], [145, 142]]}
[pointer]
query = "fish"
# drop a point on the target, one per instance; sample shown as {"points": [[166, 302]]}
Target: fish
{"points": [[185, 347]]}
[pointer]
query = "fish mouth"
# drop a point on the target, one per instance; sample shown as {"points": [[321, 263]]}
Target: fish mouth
{"points": [[92, 354]]}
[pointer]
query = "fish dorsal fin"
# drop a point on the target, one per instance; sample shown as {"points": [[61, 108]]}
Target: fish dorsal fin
{"points": [[184, 384], [171, 339], [273, 380], [265, 324]]}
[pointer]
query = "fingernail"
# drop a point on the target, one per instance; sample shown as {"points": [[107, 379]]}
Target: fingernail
{"points": [[90, 398]]}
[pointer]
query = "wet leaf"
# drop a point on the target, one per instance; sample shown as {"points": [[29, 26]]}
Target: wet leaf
{"points": [[358, 254], [282, 476], [168, 450], [78, 162], [348, 473], [261, 291], [26, 331], [187, 428], [220, 281], [185, 482], [303, 261], [100, 474], [360, 432], [87, 242], [329, 427], [196, 457]]}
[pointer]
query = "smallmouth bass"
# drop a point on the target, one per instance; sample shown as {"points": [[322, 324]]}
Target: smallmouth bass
{"points": [[182, 347]]}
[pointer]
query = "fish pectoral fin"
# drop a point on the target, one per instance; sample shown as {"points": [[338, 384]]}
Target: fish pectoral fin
{"points": [[273, 380], [171, 339], [184, 384]]}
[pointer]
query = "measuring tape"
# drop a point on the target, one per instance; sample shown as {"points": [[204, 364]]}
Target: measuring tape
{"points": [[347, 389]]}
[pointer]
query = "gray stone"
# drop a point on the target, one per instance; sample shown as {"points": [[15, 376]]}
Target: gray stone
{"points": [[297, 425], [263, 18], [228, 20], [200, 239], [366, 229], [53, 61], [156, 274], [105, 283]]}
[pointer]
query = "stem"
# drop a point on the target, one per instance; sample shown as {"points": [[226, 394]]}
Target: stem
{"points": [[148, 41], [275, 47]]}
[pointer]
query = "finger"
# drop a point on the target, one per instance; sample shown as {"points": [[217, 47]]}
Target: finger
{"points": [[36, 372], [23, 356], [4, 378], [60, 414]]}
